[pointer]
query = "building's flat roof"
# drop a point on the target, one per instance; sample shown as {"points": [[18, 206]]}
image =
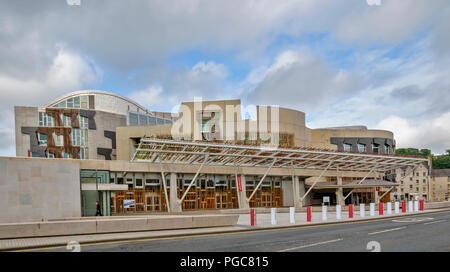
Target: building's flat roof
{"points": [[222, 154]]}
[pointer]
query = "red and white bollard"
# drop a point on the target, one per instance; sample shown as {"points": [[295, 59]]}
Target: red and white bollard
{"points": [[422, 205], [308, 213], [350, 211], [380, 208], [252, 217], [403, 207]]}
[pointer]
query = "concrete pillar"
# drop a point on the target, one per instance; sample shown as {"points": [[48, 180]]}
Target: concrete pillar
{"points": [[340, 193], [300, 191], [175, 206], [243, 204]]}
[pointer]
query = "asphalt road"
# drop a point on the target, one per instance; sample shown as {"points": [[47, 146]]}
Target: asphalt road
{"points": [[423, 233]]}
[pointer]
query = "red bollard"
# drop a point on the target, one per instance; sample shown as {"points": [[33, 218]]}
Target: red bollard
{"points": [[308, 214], [422, 205], [380, 208], [403, 207], [252, 217], [350, 211]]}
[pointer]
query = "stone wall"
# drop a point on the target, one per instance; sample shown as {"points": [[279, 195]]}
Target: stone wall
{"points": [[33, 189]]}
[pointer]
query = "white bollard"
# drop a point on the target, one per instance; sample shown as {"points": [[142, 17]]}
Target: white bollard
{"points": [[362, 210], [372, 209], [397, 207], [416, 206], [410, 206], [324, 213], [338, 212], [389, 208], [273, 213], [292, 215]]}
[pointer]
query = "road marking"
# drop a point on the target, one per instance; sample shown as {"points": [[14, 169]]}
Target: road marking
{"points": [[383, 231], [439, 221], [412, 220], [311, 245]]}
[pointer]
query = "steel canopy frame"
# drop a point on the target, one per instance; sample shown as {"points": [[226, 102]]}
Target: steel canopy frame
{"points": [[218, 154]]}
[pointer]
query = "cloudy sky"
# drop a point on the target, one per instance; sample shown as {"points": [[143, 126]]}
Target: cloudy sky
{"points": [[379, 63]]}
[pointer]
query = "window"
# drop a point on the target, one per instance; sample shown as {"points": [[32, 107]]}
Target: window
{"points": [[142, 120], [152, 182], [70, 103], [375, 148], [424, 181], [152, 120], [139, 182], [84, 102], [361, 148], [410, 186], [42, 139], [347, 147], [133, 119], [76, 102], [388, 149], [83, 121], [159, 121], [250, 184]]}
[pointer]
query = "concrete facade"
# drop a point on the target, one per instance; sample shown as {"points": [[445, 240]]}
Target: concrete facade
{"points": [[38, 189]]}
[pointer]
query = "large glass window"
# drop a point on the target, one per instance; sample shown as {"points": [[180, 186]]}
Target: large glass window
{"points": [[361, 148], [347, 147], [84, 102], [76, 102], [375, 148], [142, 120], [133, 119], [70, 103], [42, 139], [152, 120]]}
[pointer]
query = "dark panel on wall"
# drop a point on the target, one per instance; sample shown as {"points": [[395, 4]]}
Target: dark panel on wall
{"points": [[90, 115], [111, 135], [34, 144], [105, 152], [340, 141]]}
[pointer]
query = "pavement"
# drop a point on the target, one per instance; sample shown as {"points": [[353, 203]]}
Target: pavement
{"points": [[116, 241]]}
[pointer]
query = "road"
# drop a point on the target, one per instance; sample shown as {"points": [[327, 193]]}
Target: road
{"points": [[423, 233]]}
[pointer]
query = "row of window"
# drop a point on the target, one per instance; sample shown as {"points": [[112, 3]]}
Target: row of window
{"points": [[46, 120], [78, 102], [363, 148], [152, 180], [138, 119]]}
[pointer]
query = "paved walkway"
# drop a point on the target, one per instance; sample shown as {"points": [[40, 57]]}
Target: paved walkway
{"points": [[263, 223]]}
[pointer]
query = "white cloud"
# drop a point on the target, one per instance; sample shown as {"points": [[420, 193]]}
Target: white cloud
{"points": [[150, 97], [431, 133], [217, 70]]}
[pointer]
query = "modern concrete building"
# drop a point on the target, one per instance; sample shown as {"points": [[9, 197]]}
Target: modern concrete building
{"points": [[206, 156], [79, 125]]}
